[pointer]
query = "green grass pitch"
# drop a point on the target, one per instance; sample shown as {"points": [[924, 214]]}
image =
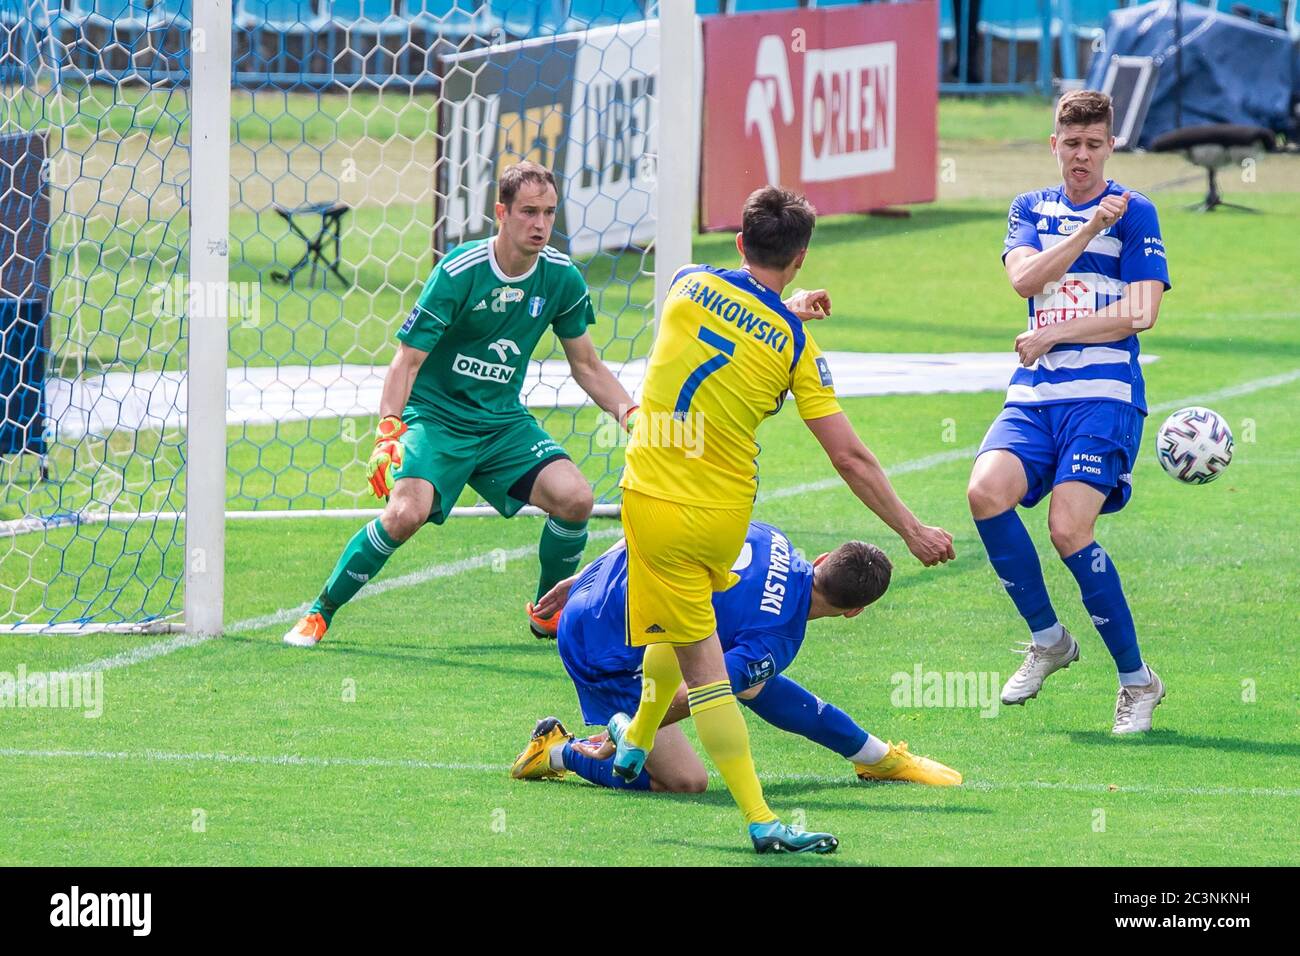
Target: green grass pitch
{"points": [[389, 743]]}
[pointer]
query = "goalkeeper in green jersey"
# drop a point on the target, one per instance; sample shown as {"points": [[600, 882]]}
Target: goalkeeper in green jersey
{"points": [[450, 410]]}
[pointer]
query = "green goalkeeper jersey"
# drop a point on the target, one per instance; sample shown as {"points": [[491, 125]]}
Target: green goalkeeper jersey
{"points": [[480, 327]]}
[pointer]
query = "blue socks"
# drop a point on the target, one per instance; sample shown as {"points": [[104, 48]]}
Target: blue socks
{"points": [[1103, 596], [601, 772], [784, 704], [1012, 554]]}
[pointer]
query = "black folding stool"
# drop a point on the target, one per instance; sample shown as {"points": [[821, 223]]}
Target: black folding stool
{"points": [[331, 230]]}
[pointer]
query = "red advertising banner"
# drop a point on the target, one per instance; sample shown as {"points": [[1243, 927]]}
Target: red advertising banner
{"points": [[840, 104]]}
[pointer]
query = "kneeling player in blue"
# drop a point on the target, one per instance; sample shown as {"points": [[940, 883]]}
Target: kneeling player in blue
{"points": [[1088, 256], [761, 623]]}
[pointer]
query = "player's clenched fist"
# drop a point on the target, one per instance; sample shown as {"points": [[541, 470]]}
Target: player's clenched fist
{"points": [[931, 545], [809, 305], [386, 456], [1107, 213]]}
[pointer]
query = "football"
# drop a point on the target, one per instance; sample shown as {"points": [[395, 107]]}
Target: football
{"points": [[1194, 445]]}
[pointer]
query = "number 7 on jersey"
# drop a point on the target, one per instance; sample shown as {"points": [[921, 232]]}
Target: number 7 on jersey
{"points": [[723, 344]]}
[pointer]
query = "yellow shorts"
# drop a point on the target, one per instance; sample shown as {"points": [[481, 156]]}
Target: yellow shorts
{"points": [[677, 557]]}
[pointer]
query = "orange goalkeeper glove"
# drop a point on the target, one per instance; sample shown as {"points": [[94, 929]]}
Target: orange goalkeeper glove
{"points": [[386, 456]]}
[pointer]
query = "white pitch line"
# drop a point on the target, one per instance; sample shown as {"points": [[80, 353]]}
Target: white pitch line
{"points": [[968, 454], [1152, 789], [1095, 788], [916, 464], [284, 615], [274, 760], [1232, 391], [138, 655], [394, 763]]}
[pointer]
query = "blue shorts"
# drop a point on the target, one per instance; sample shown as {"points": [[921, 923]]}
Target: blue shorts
{"points": [[604, 688], [1093, 442]]}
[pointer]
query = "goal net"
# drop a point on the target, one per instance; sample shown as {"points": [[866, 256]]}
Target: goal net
{"points": [[365, 139]]}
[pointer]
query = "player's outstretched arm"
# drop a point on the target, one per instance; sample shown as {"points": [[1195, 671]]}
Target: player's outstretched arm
{"points": [[558, 596], [594, 377], [863, 474], [1031, 270], [554, 599]]}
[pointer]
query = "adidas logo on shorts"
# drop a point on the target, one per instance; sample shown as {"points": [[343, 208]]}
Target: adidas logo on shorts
{"points": [[654, 629]]}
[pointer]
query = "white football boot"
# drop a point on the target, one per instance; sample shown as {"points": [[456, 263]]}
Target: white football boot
{"points": [[1038, 665], [1135, 705]]}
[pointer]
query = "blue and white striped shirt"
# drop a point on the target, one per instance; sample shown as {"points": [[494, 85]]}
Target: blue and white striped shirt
{"points": [[1129, 251]]}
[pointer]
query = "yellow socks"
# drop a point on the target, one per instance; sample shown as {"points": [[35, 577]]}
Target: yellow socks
{"points": [[660, 678], [722, 730], [718, 721]]}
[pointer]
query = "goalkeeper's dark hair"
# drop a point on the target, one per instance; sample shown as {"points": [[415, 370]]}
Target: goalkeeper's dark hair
{"points": [[523, 172], [853, 575], [777, 225]]}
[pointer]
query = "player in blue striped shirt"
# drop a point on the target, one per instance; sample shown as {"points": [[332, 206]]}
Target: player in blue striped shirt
{"points": [[1089, 258]]}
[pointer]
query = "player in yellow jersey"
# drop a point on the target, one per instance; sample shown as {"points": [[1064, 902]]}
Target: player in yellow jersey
{"points": [[727, 352]]}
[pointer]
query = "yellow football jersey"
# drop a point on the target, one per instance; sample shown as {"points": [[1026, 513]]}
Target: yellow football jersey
{"points": [[726, 354]]}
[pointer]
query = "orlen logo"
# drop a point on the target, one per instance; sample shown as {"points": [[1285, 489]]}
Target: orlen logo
{"points": [[849, 98], [770, 88], [1052, 308], [1074, 289]]}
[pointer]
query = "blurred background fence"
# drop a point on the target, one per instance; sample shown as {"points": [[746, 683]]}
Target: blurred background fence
{"points": [[986, 46]]}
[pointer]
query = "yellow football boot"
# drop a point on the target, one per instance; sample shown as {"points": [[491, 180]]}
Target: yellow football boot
{"points": [[898, 764], [535, 762]]}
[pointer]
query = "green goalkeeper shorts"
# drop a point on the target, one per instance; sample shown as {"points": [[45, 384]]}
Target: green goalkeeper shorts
{"points": [[500, 464]]}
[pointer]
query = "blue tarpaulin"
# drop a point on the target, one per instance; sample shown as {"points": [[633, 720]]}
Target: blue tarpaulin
{"points": [[22, 377], [1234, 70]]}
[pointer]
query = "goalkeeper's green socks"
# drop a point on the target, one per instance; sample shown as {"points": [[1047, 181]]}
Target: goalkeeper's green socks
{"points": [[361, 560], [560, 551]]}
